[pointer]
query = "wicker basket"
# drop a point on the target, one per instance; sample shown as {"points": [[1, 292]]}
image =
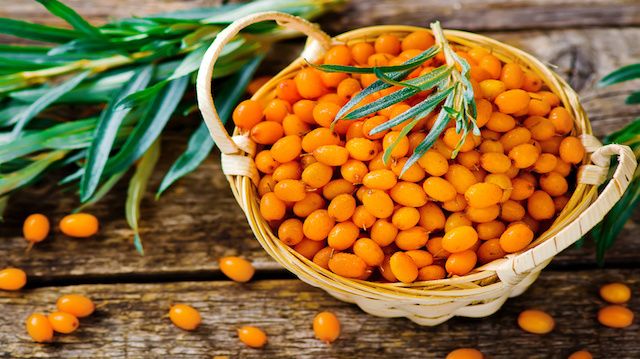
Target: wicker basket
{"points": [[483, 291]]}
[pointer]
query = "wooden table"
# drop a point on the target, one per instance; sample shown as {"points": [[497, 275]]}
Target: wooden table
{"points": [[198, 221]]}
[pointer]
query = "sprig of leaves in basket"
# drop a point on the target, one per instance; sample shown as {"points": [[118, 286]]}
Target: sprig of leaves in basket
{"points": [[124, 81], [608, 230], [453, 96]]}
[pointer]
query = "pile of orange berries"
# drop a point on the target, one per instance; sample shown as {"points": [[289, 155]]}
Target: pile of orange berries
{"points": [[329, 194], [65, 320]]}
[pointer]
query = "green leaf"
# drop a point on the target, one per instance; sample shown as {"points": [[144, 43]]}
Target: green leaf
{"points": [[32, 31], [9, 114], [73, 18], [105, 133], [622, 74], [137, 188], [200, 142], [101, 192], [4, 202], [408, 65], [382, 76], [141, 96], [24, 176], [633, 99], [45, 100]]}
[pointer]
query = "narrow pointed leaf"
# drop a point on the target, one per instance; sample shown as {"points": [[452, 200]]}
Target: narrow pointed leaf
{"points": [[101, 191], [622, 74], [32, 31], [633, 99], [4, 202], [24, 176], [382, 76], [73, 18], [408, 65]]}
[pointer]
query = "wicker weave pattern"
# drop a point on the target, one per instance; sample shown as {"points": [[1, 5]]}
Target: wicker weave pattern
{"points": [[477, 294]]}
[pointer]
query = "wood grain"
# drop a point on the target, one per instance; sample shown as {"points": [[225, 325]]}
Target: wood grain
{"points": [[131, 322]]}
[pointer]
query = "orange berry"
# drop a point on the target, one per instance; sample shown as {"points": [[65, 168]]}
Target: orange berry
{"points": [[434, 246], [79, 225], [322, 257], [512, 101], [500, 122], [311, 202], [414, 173], [317, 174], [309, 83], [286, 171], [483, 215], [512, 76], [304, 110], [286, 148], [378, 203], [455, 205], [470, 159], [515, 137], [401, 149], [348, 87], [342, 207], [538, 107], [491, 64], [237, 269], [495, 162], [465, 353], [541, 128], [337, 187], [545, 163], [363, 218], [252, 336], [247, 114], [461, 263], [522, 189], [326, 327], [184, 316], [257, 83], [331, 155], [615, 316], [354, 171], [343, 235], [12, 279], [581, 354], [454, 140], [420, 40], [571, 150], [490, 250], [408, 194], [477, 53], [290, 190], [434, 163], [554, 184], [562, 120], [562, 167], [560, 202], [490, 88], [405, 217], [290, 231], [459, 239], [403, 267], [371, 123], [272, 207], [347, 265], [276, 110], [380, 179], [39, 328], [369, 251], [62, 322], [361, 51], [616, 293], [431, 217], [482, 195], [536, 321], [287, 90], [361, 149], [439, 189], [266, 132], [516, 238], [383, 232], [421, 258], [524, 155], [387, 44], [35, 228], [532, 82], [431, 272], [460, 177], [540, 206], [412, 238], [76, 304], [512, 211], [338, 55], [318, 225], [309, 248], [265, 162]]}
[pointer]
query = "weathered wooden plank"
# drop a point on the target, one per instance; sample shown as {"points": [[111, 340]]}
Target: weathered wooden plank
{"points": [[131, 322], [463, 14]]}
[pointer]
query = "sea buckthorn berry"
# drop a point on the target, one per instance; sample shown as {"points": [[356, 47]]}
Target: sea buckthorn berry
{"points": [[545, 163], [380, 179], [459, 239], [562, 167], [491, 64], [465, 353], [561, 120], [286, 171], [581, 354], [325, 112], [532, 83], [551, 145], [286, 148], [541, 128], [554, 184], [615, 316], [414, 173], [538, 107], [403, 267], [522, 189], [434, 246], [272, 208], [461, 263], [516, 238], [304, 110], [348, 87], [455, 205], [252, 336], [492, 88], [442, 148], [387, 44], [371, 123], [431, 272], [355, 130], [379, 60], [35, 228], [512, 211], [434, 163], [309, 248], [331, 155], [265, 162], [378, 203], [237, 269], [401, 149], [338, 55], [560, 202], [495, 162], [276, 110], [12, 279], [76, 304], [549, 97], [470, 159], [266, 132], [318, 225], [317, 174], [455, 220], [337, 187], [503, 181], [405, 217], [500, 122], [361, 149], [369, 251], [483, 215], [79, 225], [512, 101], [62, 322], [453, 140], [460, 177], [383, 232], [408, 194], [39, 328], [482, 195], [309, 83], [616, 293], [343, 235], [540, 206], [524, 155], [326, 327], [290, 231], [311, 202], [420, 40], [247, 114], [420, 257], [322, 257], [342, 207], [361, 51], [536, 321], [484, 109], [515, 137], [412, 238], [431, 217], [571, 150], [288, 91], [490, 250], [354, 171], [439, 189], [184, 316], [512, 76], [363, 218], [347, 265], [290, 190], [478, 53]]}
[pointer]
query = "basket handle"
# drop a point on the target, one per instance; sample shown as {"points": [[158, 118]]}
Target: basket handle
{"points": [[512, 269], [225, 143]]}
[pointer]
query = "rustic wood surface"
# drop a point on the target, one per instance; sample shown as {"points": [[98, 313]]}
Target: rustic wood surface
{"points": [[198, 221]]}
